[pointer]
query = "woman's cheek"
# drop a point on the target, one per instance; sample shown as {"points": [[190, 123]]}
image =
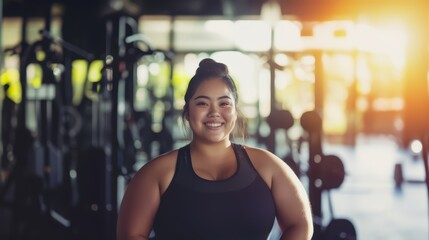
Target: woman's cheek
{"points": [[233, 114]]}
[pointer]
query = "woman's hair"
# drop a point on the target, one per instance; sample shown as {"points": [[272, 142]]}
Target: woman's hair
{"points": [[209, 69]]}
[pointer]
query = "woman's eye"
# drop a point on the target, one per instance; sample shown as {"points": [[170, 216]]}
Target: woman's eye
{"points": [[225, 104], [201, 104]]}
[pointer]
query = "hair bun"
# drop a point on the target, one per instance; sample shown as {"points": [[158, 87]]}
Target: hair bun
{"points": [[210, 66]]}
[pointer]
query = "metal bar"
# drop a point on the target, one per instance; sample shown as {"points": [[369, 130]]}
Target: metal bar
{"points": [[1, 34]]}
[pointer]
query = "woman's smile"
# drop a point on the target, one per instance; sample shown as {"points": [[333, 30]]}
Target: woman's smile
{"points": [[214, 124]]}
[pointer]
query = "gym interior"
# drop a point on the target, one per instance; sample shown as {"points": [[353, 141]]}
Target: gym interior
{"points": [[93, 90]]}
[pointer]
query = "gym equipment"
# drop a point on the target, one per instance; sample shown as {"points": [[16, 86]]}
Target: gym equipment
{"points": [[41, 139], [325, 172], [8, 128], [339, 229], [280, 119], [28, 206], [312, 124], [114, 134], [332, 172], [283, 119], [14, 186], [158, 113]]}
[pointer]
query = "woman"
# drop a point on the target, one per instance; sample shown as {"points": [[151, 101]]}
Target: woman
{"points": [[213, 188]]}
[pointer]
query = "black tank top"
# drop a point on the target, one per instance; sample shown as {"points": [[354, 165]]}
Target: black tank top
{"points": [[240, 207]]}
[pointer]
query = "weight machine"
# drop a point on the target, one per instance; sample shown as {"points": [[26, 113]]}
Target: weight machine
{"points": [[325, 172], [63, 177]]}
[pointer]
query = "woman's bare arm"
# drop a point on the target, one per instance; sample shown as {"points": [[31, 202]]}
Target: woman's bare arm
{"points": [[142, 197], [292, 205]]}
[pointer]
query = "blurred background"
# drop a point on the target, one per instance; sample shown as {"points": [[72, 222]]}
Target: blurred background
{"points": [[92, 90]]}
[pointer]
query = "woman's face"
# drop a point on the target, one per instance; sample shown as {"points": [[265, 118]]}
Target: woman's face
{"points": [[212, 113]]}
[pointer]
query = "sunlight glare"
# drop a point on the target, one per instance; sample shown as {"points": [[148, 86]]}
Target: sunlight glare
{"points": [[252, 35], [387, 39], [222, 27]]}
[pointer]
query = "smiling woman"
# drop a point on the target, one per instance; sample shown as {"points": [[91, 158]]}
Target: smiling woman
{"points": [[211, 112], [227, 98], [213, 188]]}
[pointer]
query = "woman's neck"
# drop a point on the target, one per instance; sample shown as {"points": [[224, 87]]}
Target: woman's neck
{"points": [[210, 149]]}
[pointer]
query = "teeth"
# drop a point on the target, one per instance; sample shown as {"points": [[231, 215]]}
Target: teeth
{"points": [[213, 124]]}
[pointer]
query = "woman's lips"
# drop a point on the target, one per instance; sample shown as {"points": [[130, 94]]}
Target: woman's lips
{"points": [[213, 124]]}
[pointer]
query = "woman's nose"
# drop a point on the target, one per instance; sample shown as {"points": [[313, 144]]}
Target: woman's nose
{"points": [[213, 112]]}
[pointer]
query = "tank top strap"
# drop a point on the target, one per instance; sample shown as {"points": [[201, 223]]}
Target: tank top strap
{"points": [[183, 157], [183, 163], [246, 166]]}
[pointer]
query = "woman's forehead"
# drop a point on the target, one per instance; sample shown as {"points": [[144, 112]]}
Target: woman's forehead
{"points": [[214, 86]]}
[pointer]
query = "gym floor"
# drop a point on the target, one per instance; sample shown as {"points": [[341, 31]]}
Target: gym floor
{"points": [[368, 196]]}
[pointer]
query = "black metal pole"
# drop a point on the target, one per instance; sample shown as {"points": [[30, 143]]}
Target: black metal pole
{"points": [[1, 34], [1, 68], [319, 82]]}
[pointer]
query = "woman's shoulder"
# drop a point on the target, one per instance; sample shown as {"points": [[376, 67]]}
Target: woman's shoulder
{"points": [[264, 160], [167, 159], [260, 154], [160, 167]]}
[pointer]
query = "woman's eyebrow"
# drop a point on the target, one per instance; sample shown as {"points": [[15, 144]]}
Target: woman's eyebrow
{"points": [[228, 97], [206, 97], [201, 96]]}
